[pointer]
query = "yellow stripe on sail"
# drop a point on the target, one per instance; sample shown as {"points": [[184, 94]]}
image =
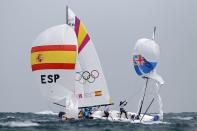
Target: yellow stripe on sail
{"points": [[53, 57], [82, 33]]}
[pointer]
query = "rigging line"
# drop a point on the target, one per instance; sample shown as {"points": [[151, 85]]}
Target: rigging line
{"points": [[135, 93], [142, 101], [58, 104], [147, 109]]}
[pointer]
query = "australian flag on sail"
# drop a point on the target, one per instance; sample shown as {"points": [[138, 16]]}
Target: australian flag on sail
{"points": [[142, 66]]}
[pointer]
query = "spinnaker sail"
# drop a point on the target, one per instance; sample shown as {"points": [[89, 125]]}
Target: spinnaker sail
{"points": [[53, 59], [145, 59]]}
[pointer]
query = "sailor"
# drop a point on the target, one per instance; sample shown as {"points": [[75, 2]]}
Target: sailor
{"points": [[133, 117], [90, 110], [81, 113], [61, 114], [87, 113], [106, 111], [122, 110]]}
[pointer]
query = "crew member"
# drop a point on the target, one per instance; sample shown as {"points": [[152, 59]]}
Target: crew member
{"points": [[87, 113], [106, 112], [81, 113], [61, 114], [122, 110]]}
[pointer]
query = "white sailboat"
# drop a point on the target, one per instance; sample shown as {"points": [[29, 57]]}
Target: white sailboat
{"points": [[67, 69], [145, 58]]}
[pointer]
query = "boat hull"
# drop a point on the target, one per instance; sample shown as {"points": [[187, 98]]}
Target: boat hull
{"points": [[115, 116]]}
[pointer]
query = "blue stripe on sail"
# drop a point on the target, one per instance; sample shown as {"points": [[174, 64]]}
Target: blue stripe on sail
{"points": [[137, 70], [147, 66], [136, 67]]}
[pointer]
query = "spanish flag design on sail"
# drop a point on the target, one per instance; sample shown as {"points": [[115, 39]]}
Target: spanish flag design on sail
{"points": [[98, 93], [82, 34], [53, 57]]}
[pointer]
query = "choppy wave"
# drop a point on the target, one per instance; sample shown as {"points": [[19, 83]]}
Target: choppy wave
{"points": [[47, 120], [183, 118], [46, 113], [7, 117], [19, 124]]}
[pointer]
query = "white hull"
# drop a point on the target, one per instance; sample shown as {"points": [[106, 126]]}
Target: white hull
{"points": [[115, 116]]}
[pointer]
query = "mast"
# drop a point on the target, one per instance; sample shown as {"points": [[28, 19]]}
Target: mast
{"points": [[67, 15], [142, 101], [153, 37]]}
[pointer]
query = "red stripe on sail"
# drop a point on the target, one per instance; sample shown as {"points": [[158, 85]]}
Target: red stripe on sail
{"points": [[85, 41], [68, 66], [77, 23], [54, 48]]}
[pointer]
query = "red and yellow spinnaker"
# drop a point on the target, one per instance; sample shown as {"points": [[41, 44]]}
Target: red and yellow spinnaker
{"points": [[53, 57]]}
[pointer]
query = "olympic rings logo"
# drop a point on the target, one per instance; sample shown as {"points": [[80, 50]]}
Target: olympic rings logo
{"points": [[86, 76]]}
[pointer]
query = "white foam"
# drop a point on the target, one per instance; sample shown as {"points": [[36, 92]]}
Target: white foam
{"points": [[46, 113], [7, 117], [182, 118], [12, 117], [19, 124], [155, 122]]}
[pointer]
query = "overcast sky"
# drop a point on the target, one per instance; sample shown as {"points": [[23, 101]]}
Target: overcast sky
{"points": [[115, 26]]}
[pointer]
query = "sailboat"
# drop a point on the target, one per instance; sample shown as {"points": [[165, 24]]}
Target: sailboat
{"points": [[145, 59], [67, 69]]}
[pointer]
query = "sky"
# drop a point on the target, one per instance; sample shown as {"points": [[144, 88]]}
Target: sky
{"points": [[114, 26]]}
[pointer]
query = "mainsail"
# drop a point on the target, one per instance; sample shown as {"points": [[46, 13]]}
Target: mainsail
{"points": [[53, 59], [90, 75]]}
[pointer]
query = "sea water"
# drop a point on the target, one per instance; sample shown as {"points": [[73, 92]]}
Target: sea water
{"points": [[48, 121]]}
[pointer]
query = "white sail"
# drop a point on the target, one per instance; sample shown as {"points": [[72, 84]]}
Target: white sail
{"points": [[71, 105], [79, 85], [53, 59], [145, 58], [93, 80], [156, 77]]}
